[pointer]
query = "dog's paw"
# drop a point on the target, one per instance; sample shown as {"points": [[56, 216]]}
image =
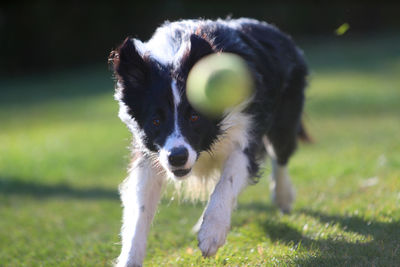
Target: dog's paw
{"points": [[125, 260], [283, 195], [129, 264], [212, 234]]}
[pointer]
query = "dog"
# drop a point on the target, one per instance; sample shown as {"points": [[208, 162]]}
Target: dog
{"points": [[173, 141]]}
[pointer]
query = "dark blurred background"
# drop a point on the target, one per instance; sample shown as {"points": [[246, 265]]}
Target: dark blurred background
{"points": [[41, 35]]}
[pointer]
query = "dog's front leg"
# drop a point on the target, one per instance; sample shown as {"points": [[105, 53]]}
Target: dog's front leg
{"points": [[217, 216], [140, 194]]}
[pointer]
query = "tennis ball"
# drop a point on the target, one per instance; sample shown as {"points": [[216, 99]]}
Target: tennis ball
{"points": [[218, 82]]}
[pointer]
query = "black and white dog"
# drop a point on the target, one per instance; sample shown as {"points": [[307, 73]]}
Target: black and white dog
{"points": [[174, 141]]}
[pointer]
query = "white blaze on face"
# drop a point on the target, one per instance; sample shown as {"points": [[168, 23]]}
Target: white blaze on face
{"points": [[176, 139], [177, 96]]}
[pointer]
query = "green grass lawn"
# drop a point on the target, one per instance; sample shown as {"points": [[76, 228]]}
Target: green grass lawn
{"points": [[63, 153]]}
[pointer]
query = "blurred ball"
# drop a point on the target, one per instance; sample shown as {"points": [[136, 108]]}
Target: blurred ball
{"points": [[218, 82]]}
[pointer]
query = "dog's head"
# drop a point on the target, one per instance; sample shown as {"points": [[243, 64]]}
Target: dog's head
{"points": [[154, 106]]}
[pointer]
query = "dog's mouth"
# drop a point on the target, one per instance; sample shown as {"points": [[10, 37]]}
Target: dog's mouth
{"points": [[181, 172]]}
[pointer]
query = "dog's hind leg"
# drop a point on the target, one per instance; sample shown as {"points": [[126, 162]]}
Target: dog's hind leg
{"points": [[217, 216], [281, 138], [140, 194], [282, 191]]}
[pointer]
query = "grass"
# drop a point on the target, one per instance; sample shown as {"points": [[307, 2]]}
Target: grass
{"points": [[63, 154]]}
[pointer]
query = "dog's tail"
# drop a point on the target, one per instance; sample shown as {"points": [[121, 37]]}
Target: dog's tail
{"points": [[303, 135]]}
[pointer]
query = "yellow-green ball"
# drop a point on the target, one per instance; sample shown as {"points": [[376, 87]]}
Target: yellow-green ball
{"points": [[218, 82]]}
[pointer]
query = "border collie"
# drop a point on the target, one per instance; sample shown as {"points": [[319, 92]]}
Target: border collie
{"points": [[172, 140]]}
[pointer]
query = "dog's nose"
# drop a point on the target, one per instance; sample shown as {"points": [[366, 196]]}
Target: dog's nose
{"points": [[178, 156]]}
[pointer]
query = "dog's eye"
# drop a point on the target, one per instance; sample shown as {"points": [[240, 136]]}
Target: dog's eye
{"points": [[156, 122], [194, 118]]}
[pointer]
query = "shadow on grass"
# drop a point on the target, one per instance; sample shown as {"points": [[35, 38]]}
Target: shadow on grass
{"points": [[10, 186], [258, 207], [384, 248]]}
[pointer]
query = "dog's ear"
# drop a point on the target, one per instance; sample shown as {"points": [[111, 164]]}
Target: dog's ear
{"points": [[199, 47], [129, 66]]}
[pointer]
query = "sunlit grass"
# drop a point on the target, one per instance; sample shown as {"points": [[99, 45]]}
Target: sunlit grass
{"points": [[63, 154]]}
